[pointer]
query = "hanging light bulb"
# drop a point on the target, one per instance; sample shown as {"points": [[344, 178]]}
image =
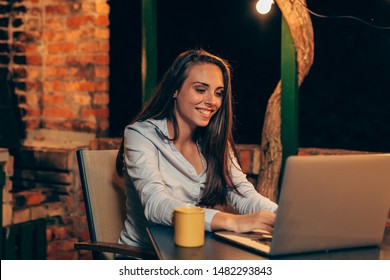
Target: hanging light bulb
{"points": [[264, 6]]}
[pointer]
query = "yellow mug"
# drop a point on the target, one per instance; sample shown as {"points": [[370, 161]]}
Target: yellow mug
{"points": [[188, 225]]}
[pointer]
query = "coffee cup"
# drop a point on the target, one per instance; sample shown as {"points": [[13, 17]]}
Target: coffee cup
{"points": [[188, 225]]}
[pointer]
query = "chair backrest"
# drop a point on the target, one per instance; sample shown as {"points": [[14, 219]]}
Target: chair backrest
{"points": [[104, 195]]}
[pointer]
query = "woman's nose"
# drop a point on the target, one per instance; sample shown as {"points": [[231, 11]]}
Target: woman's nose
{"points": [[210, 99]]}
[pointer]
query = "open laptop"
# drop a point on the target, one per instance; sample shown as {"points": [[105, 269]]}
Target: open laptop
{"points": [[326, 202]]}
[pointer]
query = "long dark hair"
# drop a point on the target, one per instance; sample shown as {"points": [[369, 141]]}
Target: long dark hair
{"points": [[217, 143]]}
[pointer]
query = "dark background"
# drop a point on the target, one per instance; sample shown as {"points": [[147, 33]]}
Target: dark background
{"points": [[344, 101]]}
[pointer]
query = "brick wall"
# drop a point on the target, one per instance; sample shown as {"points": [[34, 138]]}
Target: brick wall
{"points": [[57, 54], [46, 186]]}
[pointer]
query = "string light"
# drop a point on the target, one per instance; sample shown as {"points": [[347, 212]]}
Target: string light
{"points": [[264, 6], [343, 17]]}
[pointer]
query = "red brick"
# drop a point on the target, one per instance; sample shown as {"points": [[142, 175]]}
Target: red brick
{"points": [[57, 85], [34, 23], [72, 86], [55, 72], [102, 59], [53, 36], [88, 46], [35, 199], [77, 60], [63, 48], [102, 86], [86, 113], [53, 85], [98, 112], [101, 99], [75, 72], [83, 85], [103, 8], [87, 86], [77, 21], [102, 33], [79, 34], [34, 60], [55, 23], [51, 99], [54, 60], [56, 9], [102, 72], [82, 99], [88, 8], [54, 112], [103, 47], [29, 198], [102, 20], [31, 48], [101, 112]]}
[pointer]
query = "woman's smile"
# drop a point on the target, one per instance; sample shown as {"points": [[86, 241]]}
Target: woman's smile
{"points": [[205, 112]]}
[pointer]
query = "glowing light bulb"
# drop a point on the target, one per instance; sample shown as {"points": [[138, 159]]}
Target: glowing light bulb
{"points": [[264, 6]]}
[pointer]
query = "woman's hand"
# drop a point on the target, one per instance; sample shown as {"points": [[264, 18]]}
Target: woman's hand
{"points": [[243, 223]]}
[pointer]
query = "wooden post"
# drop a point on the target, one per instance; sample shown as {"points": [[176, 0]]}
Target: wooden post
{"points": [[289, 97], [297, 40], [149, 48]]}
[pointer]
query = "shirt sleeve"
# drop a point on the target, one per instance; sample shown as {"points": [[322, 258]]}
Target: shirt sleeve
{"points": [[250, 200], [141, 162]]}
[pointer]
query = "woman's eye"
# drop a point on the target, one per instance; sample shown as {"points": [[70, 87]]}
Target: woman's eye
{"points": [[219, 93], [201, 90]]}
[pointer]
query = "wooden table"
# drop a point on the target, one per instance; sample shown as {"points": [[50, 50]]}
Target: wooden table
{"points": [[217, 249]]}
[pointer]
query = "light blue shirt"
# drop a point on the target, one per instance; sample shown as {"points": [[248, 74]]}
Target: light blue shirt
{"points": [[159, 179]]}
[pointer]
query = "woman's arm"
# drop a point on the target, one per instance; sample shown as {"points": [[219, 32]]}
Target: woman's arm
{"points": [[244, 222], [256, 211]]}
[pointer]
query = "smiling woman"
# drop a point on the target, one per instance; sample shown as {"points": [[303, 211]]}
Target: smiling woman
{"points": [[179, 152]]}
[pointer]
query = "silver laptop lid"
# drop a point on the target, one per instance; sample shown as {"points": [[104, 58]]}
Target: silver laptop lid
{"points": [[332, 202]]}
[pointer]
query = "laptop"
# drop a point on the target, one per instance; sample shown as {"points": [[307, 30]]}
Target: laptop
{"points": [[326, 203]]}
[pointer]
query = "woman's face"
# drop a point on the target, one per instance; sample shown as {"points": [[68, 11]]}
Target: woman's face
{"points": [[200, 96]]}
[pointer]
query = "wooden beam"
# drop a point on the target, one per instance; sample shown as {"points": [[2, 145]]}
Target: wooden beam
{"points": [[289, 96], [149, 48]]}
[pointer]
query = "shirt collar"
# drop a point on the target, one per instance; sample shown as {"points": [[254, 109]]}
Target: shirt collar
{"points": [[161, 125]]}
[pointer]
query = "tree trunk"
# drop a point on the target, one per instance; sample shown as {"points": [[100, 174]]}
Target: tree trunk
{"points": [[299, 23]]}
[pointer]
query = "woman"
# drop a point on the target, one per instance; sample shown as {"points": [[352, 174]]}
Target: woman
{"points": [[180, 152]]}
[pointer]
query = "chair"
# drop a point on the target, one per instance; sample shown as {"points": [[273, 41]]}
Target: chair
{"points": [[105, 205]]}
